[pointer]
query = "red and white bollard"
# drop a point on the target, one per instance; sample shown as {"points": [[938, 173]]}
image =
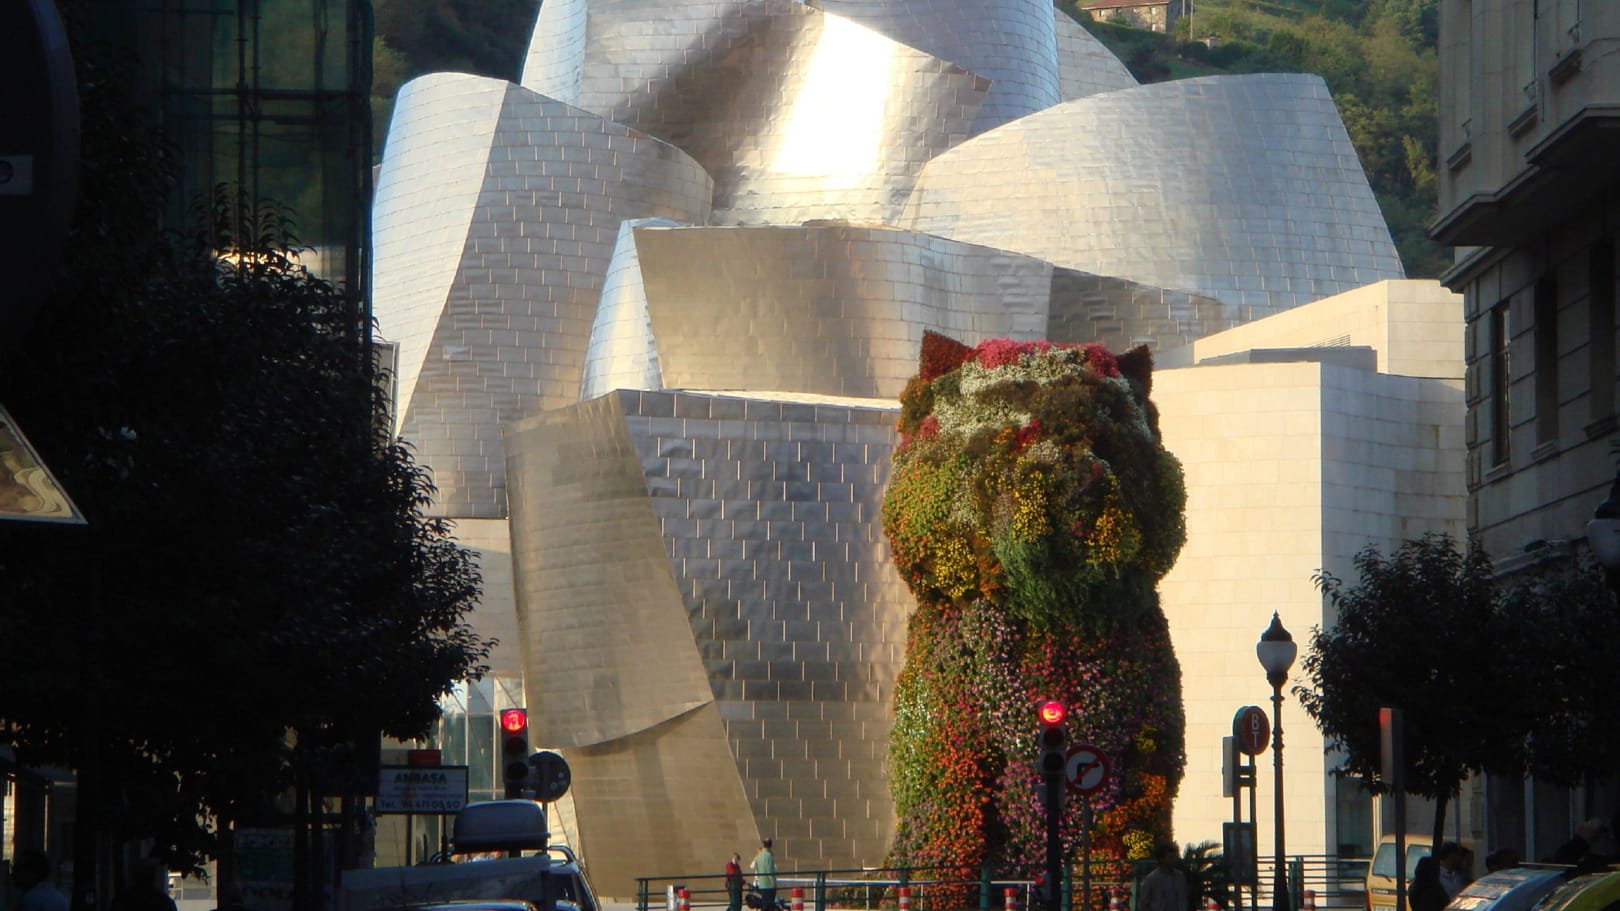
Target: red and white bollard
{"points": [[905, 898], [1212, 904], [1011, 893], [1116, 902], [683, 899], [798, 898], [1309, 902]]}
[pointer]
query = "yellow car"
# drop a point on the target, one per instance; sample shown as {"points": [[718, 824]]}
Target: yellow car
{"points": [[1592, 892]]}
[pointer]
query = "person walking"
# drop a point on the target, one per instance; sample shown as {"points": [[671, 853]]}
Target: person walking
{"points": [[1165, 888], [734, 883], [764, 867]]}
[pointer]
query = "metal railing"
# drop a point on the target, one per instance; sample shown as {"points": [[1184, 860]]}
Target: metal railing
{"points": [[1334, 884]]}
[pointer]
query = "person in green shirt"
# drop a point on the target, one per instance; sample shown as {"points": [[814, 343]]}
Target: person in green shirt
{"points": [[764, 867]]}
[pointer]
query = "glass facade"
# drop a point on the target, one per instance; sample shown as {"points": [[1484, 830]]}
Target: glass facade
{"points": [[266, 97]]}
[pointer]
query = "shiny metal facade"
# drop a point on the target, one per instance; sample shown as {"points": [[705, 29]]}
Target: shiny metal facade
{"points": [[796, 113], [1013, 43], [495, 217], [841, 309], [1241, 187], [708, 581], [660, 299], [1085, 66]]}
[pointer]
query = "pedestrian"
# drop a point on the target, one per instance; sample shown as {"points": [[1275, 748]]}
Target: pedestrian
{"points": [[1165, 887], [1450, 857], [1424, 892], [764, 867], [31, 874], [1501, 859], [734, 882], [146, 890]]}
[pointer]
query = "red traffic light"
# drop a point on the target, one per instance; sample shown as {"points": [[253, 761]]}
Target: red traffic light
{"points": [[1052, 712], [514, 721]]}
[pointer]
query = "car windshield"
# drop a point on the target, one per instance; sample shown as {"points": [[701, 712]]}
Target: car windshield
{"points": [[1384, 863]]}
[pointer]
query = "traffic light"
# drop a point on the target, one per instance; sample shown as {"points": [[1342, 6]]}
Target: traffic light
{"points": [[1054, 737], [515, 751]]}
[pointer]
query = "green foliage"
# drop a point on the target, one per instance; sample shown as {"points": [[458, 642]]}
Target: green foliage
{"points": [[1566, 626], [1421, 630], [258, 567], [1378, 58]]}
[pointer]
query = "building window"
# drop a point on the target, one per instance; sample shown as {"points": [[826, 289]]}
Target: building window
{"points": [[1353, 817], [1500, 364], [1545, 306], [1600, 327]]}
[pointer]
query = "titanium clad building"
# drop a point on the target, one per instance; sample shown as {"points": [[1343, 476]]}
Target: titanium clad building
{"points": [[654, 308]]}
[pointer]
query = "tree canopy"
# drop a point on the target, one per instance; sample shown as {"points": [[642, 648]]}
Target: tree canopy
{"points": [[258, 570], [1422, 631]]}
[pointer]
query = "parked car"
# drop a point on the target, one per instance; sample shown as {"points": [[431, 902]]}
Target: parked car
{"points": [[1381, 873], [1513, 889]]}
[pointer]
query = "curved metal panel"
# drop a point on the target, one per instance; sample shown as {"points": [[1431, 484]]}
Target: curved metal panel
{"points": [[621, 353], [825, 309], [1011, 42], [797, 114], [531, 224], [1085, 66], [1245, 188], [427, 191], [556, 58], [746, 531]]}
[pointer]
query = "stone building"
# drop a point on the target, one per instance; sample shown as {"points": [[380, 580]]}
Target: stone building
{"points": [[1528, 95]]}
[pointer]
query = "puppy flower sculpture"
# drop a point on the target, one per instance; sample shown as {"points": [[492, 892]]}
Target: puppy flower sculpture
{"points": [[1032, 510]]}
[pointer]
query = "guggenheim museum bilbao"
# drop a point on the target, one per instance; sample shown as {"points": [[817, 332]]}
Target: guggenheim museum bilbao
{"points": [[654, 306]]}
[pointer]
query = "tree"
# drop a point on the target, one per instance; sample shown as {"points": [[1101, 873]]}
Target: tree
{"points": [[1421, 631], [258, 577], [1565, 619]]}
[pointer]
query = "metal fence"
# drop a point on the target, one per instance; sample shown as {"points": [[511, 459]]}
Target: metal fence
{"points": [[1323, 882]]}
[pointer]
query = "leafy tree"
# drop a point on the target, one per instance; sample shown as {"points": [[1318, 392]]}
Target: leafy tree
{"points": [[1565, 618], [1421, 631], [258, 576]]}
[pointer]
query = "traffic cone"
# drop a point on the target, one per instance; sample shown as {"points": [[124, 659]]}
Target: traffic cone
{"points": [[1309, 904], [905, 898], [1011, 893]]}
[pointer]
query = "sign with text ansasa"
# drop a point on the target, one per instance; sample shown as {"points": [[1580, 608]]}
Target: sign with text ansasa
{"points": [[421, 789]]}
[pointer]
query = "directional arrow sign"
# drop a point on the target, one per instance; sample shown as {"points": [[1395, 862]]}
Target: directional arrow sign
{"points": [[1087, 768]]}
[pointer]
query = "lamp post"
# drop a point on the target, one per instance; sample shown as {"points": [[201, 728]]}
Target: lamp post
{"points": [[1276, 651], [1603, 535]]}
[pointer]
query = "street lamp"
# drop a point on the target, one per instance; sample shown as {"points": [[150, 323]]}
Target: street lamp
{"points": [[1603, 535], [1276, 651]]}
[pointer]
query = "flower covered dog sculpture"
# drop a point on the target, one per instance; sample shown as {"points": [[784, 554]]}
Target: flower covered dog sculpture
{"points": [[1032, 509]]}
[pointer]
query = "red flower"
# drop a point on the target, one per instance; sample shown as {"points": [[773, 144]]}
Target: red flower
{"points": [[940, 355]]}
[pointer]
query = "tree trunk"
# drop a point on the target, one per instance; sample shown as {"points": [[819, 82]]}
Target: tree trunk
{"points": [[1439, 822]]}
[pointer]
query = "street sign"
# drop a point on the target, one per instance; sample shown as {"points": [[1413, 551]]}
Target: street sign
{"points": [[551, 775], [1086, 769], [421, 790], [1252, 729]]}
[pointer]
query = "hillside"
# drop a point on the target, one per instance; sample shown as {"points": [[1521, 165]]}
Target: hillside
{"points": [[1377, 56]]}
